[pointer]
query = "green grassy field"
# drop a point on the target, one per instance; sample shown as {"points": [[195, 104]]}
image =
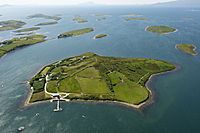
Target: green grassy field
{"points": [[52, 86], [76, 32], [160, 29], [187, 48], [130, 92], [14, 43], [93, 77], [69, 85], [92, 86], [11, 25]]}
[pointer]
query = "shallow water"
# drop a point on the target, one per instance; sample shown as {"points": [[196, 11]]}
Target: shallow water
{"points": [[176, 103]]}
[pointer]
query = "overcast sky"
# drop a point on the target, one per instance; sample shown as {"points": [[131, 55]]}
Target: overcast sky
{"points": [[74, 2]]}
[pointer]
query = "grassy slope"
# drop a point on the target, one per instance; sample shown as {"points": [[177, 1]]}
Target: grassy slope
{"points": [[14, 43], [94, 77], [160, 29], [187, 48]]}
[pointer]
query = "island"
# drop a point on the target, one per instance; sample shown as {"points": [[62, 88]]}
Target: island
{"points": [[100, 15], [24, 33], [47, 23], [131, 14], [44, 16], [187, 48], [160, 29], [78, 19], [11, 25], [12, 44], [75, 32], [97, 78], [101, 18], [135, 18], [28, 29], [100, 36]]}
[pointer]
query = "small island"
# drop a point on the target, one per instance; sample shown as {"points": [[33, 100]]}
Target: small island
{"points": [[100, 36], [11, 25], [160, 29], [78, 19], [46, 23], [44, 17], [10, 45], [135, 18], [28, 29], [101, 18], [24, 34], [98, 78], [131, 14], [100, 15], [75, 32], [187, 48]]}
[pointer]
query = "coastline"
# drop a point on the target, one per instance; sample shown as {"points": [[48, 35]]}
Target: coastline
{"points": [[146, 102]]}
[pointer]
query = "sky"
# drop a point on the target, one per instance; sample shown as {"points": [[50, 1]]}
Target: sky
{"points": [[75, 2]]}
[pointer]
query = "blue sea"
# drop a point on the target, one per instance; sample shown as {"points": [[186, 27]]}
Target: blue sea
{"points": [[175, 107]]}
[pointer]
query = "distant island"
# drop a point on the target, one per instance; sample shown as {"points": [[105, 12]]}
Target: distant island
{"points": [[12, 44], [135, 18], [100, 36], [100, 16], [187, 48], [11, 25], [78, 19], [160, 29], [47, 23], [24, 33], [99, 78], [44, 16], [131, 14], [28, 29], [75, 32]]}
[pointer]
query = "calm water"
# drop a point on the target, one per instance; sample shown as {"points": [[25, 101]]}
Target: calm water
{"points": [[176, 107]]}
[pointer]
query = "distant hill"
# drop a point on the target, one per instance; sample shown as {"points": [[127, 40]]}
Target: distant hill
{"points": [[180, 3]]}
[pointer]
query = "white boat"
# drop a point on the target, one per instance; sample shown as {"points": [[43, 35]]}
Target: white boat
{"points": [[21, 129]]}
